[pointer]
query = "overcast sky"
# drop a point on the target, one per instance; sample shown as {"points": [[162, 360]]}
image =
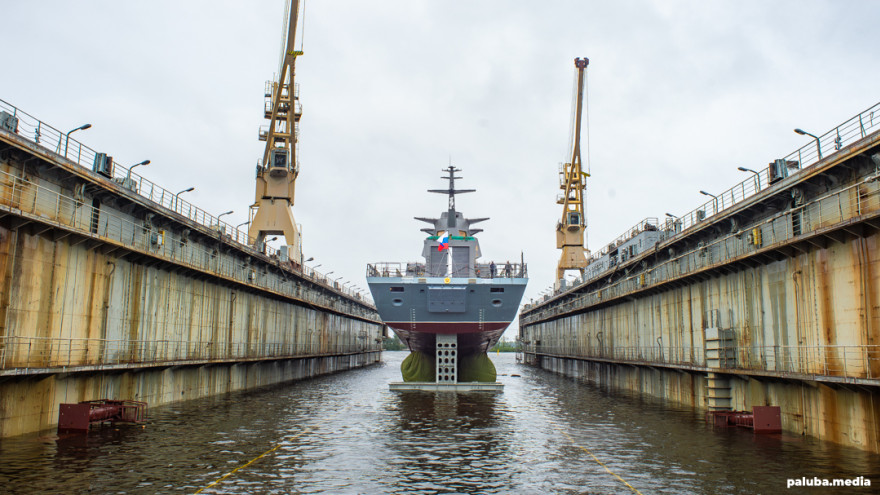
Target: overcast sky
{"points": [[680, 94]]}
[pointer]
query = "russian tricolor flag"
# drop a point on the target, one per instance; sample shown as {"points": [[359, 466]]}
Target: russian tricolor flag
{"points": [[444, 241]]}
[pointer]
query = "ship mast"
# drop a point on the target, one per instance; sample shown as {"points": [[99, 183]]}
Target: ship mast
{"points": [[452, 191], [271, 212], [571, 229]]}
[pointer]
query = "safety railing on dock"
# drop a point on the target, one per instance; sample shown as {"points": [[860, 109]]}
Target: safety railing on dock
{"points": [[820, 214], [25, 353], [847, 361], [67, 148], [47, 205], [761, 177]]}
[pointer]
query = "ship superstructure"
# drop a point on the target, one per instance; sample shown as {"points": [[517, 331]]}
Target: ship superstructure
{"points": [[451, 297]]}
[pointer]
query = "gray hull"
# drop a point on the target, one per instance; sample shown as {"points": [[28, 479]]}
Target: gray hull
{"points": [[477, 310]]}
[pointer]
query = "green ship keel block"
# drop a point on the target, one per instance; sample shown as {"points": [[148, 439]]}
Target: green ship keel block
{"points": [[476, 368], [418, 367]]}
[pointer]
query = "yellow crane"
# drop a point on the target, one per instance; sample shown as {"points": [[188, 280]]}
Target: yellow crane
{"points": [[271, 212], [571, 229]]}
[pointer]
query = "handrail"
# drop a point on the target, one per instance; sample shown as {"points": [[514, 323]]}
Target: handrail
{"points": [[52, 206], [848, 132], [22, 353], [849, 361], [822, 212], [67, 148], [397, 269]]}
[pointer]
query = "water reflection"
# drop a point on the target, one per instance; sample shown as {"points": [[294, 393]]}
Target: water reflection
{"points": [[457, 442], [347, 433]]}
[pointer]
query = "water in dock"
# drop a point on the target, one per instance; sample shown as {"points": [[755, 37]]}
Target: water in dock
{"points": [[347, 433]]}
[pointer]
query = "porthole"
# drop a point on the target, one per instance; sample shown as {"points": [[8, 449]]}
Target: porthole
{"points": [[496, 303], [397, 302]]}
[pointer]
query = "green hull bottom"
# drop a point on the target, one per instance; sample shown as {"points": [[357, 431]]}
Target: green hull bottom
{"points": [[419, 367]]}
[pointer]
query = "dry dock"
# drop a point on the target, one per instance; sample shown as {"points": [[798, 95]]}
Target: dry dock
{"points": [[115, 288], [768, 294]]}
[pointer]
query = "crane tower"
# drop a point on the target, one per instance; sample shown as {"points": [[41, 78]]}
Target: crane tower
{"points": [[271, 212], [571, 229]]}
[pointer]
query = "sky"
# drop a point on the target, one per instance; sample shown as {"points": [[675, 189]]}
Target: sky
{"points": [[679, 94]]}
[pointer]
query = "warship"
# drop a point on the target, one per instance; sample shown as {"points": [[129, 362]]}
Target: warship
{"points": [[450, 309]]}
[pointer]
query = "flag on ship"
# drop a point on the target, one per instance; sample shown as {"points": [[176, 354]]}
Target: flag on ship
{"points": [[444, 241]]}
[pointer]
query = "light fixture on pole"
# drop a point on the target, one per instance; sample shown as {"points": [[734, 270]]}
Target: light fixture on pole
{"points": [[230, 212], [67, 136], [128, 175], [757, 175], [238, 227], [177, 197], [818, 145], [715, 198]]}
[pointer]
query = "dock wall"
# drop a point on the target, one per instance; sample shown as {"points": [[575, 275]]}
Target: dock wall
{"points": [[773, 298], [115, 288]]}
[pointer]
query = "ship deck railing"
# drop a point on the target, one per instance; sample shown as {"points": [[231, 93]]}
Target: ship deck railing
{"points": [[395, 269], [34, 355]]}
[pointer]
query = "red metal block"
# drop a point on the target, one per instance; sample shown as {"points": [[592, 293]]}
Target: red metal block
{"points": [[73, 417], [78, 417], [767, 419]]}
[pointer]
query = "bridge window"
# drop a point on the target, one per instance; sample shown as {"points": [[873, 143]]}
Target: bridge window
{"points": [[496, 289], [397, 289]]}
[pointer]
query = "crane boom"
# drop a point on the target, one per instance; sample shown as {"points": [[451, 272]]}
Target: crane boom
{"points": [[276, 175], [572, 227]]}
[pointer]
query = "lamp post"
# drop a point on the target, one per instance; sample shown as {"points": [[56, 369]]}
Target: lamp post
{"points": [[221, 216], [676, 222], [177, 196], [818, 145], [713, 197], [238, 227], [128, 175], [67, 136], [757, 175]]}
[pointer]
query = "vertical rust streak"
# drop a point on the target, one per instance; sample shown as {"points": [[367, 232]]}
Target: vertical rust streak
{"points": [[135, 299], [868, 258]]}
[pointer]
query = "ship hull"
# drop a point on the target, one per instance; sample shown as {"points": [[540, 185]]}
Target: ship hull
{"points": [[418, 309]]}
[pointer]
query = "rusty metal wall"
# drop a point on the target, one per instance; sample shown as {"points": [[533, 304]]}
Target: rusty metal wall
{"points": [[774, 300], [30, 404], [815, 313], [67, 305], [103, 288]]}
